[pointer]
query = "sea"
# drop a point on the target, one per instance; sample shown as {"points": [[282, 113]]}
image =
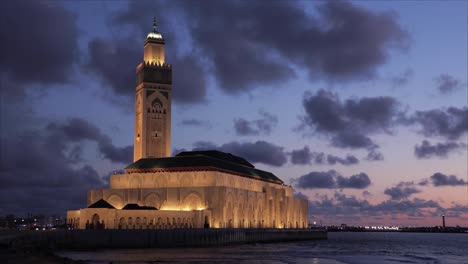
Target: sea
{"points": [[341, 247]]}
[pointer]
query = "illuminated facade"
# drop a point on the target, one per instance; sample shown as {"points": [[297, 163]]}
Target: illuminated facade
{"points": [[191, 190]]}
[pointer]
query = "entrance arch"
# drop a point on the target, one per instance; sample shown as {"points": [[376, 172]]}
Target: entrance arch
{"points": [[95, 223]]}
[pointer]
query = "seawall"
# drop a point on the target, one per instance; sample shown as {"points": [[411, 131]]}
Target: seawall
{"points": [[150, 238]]}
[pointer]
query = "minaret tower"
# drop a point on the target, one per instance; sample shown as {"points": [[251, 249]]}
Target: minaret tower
{"points": [[153, 101]]}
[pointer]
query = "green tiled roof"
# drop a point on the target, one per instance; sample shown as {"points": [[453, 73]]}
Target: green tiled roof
{"points": [[213, 159]]}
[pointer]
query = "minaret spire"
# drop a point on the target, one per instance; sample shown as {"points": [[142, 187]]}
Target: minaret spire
{"points": [[154, 24], [154, 34]]}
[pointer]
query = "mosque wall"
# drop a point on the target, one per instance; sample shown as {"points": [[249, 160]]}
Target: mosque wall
{"points": [[233, 201]]}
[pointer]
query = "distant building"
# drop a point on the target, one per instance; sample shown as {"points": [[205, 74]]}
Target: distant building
{"points": [[193, 189]]}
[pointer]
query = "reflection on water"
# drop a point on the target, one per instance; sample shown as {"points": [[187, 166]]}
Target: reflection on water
{"points": [[339, 248]]}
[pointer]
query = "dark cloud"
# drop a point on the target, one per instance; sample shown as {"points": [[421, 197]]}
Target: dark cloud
{"points": [[348, 208], [195, 122], [332, 180], [326, 113], [43, 170], [317, 180], [39, 45], [76, 130], [352, 139], [349, 123], [255, 152], [427, 150], [262, 126], [341, 206], [204, 145], [39, 175], [402, 190], [446, 83], [301, 156], [440, 179], [177, 151], [358, 181], [243, 51], [320, 44], [105, 54], [450, 123], [402, 79], [305, 156], [189, 78], [348, 160], [374, 155], [423, 182]]}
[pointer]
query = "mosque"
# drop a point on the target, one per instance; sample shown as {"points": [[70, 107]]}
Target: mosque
{"points": [[193, 189]]}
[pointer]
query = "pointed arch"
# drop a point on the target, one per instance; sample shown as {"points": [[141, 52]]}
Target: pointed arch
{"points": [[193, 201], [153, 200], [116, 201]]}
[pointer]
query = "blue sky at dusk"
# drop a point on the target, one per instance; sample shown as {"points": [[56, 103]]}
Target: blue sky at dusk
{"points": [[361, 106]]}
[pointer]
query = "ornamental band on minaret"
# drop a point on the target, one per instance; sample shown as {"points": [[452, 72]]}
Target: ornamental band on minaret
{"points": [[153, 101]]}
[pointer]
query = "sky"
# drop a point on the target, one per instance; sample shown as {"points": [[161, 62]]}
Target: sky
{"points": [[360, 106]]}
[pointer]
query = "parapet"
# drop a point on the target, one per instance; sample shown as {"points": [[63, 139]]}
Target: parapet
{"points": [[156, 64]]}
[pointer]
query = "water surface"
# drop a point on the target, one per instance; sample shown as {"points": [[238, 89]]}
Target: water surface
{"points": [[341, 247]]}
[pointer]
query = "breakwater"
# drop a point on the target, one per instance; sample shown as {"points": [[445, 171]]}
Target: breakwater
{"points": [[150, 238]]}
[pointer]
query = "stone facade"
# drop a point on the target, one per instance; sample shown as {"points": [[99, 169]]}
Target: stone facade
{"points": [[227, 200], [194, 190]]}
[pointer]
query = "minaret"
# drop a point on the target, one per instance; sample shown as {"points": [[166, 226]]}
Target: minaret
{"points": [[153, 101]]}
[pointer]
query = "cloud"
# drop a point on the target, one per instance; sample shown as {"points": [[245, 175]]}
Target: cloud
{"points": [[41, 45], [450, 123], [77, 129], [105, 54], [255, 152], [39, 174], [177, 151], [305, 156], [301, 156], [332, 180], [243, 51], [341, 206], [349, 123], [358, 181], [402, 79], [440, 179], [374, 155], [195, 122], [316, 43], [352, 139], [426, 150], [189, 85], [190, 82], [446, 83], [262, 126], [204, 145], [402, 190]]}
